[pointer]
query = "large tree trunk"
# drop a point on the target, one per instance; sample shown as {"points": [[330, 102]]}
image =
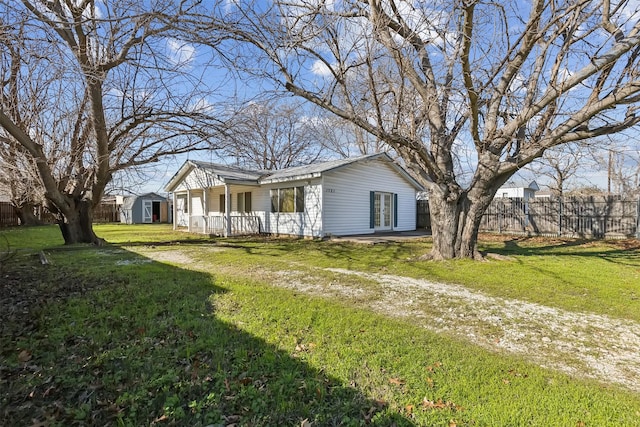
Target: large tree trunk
{"points": [[454, 225], [456, 219], [26, 215], [76, 224]]}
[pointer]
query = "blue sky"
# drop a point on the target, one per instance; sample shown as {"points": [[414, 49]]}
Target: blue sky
{"points": [[192, 57]]}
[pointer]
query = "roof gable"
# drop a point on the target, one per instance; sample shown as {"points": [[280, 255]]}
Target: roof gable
{"points": [[217, 171]]}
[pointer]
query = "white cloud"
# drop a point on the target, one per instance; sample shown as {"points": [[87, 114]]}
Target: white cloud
{"points": [[95, 12], [319, 68], [180, 53], [202, 106]]}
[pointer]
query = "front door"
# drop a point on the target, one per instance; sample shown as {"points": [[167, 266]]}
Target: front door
{"points": [[383, 210], [147, 211]]}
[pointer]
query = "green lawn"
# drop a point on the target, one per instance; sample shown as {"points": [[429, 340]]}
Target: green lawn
{"points": [[106, 336]]}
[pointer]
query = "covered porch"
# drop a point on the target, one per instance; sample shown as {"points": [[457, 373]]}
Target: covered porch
{"points": [[222, 210]]}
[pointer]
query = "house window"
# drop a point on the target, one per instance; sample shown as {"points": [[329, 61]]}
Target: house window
{"points": [[223, 204], [299, 199], [289, 199], [247, 201], [244, 202]]}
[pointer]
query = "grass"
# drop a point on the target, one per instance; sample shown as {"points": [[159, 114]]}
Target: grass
{"points": [[114, 338], [594, 276]]}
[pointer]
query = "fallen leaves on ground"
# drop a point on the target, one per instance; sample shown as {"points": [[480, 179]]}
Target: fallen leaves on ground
{"points": [[439, 404]]}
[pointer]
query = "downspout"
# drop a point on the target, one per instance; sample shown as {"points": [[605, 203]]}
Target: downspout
{"points": [[227, 209]]}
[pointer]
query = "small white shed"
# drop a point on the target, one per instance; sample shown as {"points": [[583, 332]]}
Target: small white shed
{"points": [[360, 195]]}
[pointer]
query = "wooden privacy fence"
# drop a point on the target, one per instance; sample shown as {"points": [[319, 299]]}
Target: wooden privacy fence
{"points": [[106, 212], [8, 217], [590, 217]]}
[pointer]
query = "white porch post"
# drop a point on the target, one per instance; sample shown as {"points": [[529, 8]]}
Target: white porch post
{"points": [[174, 211], [205, 208], [227, 209], [189, 210]]}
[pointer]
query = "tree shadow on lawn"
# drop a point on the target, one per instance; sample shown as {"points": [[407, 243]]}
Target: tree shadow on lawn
{"points": [[139, 343], [626, 252], [344, 252]]}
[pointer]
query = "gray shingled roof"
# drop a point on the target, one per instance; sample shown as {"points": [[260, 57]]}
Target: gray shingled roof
{"points": [[312, 170], [228, 173], [531, 185], [231, 173]]}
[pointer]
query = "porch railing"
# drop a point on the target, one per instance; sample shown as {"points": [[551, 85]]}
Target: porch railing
{"points": [[240, 224]]}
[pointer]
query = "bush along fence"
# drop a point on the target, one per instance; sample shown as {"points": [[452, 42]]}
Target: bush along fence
{"points": [[597, 217], [104, 212]]}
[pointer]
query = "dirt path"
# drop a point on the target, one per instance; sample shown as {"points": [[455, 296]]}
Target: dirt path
{"points": [[581, 344]]}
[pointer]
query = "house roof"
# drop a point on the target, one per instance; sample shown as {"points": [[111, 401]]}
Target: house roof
{"points": [[530, 185], [317, 169], [129, 201], [231, 174], [228, 173], [148, 196]]}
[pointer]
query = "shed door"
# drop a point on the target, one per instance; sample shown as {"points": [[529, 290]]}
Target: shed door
{"points": [[147, 211]]}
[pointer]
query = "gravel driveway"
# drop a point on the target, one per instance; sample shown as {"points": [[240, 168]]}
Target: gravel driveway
{"points": [[581, 344]]}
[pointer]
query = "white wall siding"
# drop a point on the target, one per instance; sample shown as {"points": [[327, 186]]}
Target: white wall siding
{"points": [[347, 200], [307, 223], [515, 192], [509, 192]]}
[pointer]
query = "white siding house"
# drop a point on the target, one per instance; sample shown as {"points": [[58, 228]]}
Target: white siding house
{"points": [[360, 195], [521, 190]]}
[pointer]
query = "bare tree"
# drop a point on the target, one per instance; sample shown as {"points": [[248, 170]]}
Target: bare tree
{"points": [[21, 184], [566, 165], [98, 87], [504, 80], [623, 169], [19, 180], [344, 138], [272, 134]]}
